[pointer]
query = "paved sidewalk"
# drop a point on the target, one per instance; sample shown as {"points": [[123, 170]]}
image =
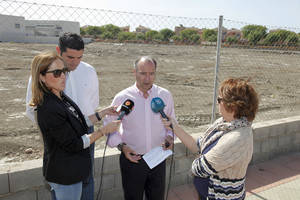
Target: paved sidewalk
{"points": [[277, 179]]}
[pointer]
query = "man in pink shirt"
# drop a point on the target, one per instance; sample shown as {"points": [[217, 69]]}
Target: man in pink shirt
{"points": [[142, 130]]}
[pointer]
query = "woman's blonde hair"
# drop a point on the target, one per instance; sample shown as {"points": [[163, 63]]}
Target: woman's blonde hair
{"points": [[39, 64]]}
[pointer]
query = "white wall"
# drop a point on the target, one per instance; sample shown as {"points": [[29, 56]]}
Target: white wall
{"points": [[16, 29], [8, 30]]}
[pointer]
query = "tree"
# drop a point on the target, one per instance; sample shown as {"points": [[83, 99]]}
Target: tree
{"points": [[150, 35], [210, 35], [82, 31], [94, 30], [281, 37], [189, 36], [140, 36], [166, 34], [195, 38], [272, 38], [158, 37], [254, 33], [107, 35], [255, 36], [176, 38], [110, 31], [232, 40], [123, 36], [292, 39]]}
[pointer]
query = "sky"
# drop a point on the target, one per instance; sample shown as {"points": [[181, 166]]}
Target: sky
{"points": [[279, 13]]}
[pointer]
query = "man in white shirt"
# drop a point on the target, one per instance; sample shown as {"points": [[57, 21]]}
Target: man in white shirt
{"points": [[81, 86]]}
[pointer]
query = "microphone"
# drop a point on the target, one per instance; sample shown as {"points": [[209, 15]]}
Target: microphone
{"points": [[157, 105], [125, 109]]}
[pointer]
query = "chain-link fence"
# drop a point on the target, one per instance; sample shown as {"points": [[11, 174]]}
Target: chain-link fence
{"points": [[272, 60], [185, 49]]}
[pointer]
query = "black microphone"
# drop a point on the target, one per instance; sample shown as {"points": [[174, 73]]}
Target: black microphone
{"points": [[126, 108]]}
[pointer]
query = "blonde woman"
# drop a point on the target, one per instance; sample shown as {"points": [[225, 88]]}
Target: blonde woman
{"points": [[67, 160]]}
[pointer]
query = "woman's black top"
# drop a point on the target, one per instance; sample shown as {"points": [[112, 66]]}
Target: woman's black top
{"points": [[62, 124]]}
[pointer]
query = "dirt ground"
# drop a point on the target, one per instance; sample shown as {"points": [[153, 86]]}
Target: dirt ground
{"points": [[187, 71]]}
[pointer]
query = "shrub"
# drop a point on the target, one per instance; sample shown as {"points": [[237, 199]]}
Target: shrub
{"points": [[195, 38], [166, 34], [110, 31], [94, 30], [254, 33], [272, 38], [232, 40], [140, 36], [107, 35], [255, 36], [150, 35], [82, 31], [158, 37], [189, 36], [210, 35], [176, 38], [281, 37], [123, 36], [292, 39]]}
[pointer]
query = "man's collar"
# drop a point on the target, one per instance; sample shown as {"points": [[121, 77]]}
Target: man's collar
{"points": [[137, 90]]}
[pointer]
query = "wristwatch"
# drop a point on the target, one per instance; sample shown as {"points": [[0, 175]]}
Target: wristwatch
{"points": [[120, 146], [98, 116]]}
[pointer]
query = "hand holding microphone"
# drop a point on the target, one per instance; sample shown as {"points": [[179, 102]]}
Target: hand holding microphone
{"points": [[100, 114], [111, 127], [157, 105], [110, 110], [125, 109], [168, 123]]}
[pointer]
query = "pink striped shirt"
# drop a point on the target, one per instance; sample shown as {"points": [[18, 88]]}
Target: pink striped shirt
{"points": [[142, 129]]}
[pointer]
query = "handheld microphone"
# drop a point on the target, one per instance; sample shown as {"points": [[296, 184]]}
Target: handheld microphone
{"points": [[126, 108], [157, 105]]}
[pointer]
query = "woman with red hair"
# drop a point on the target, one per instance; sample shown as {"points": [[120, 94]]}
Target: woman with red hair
{"points": [[226, 147]]}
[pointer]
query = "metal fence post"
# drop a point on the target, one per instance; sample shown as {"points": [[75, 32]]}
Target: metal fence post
{"points": [[219, 41]]}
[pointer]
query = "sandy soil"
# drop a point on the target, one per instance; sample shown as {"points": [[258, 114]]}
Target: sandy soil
{"points": [[187, 71]]}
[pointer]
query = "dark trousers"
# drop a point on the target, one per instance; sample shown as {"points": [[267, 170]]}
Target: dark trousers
{"points": [[202, 198], [138, 177]]}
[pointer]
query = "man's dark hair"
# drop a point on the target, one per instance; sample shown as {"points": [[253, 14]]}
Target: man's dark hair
{"points": [[71, 41]]}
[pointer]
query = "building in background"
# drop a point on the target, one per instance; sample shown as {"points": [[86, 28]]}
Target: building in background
{"points": [[142, 29], [17, 29]]}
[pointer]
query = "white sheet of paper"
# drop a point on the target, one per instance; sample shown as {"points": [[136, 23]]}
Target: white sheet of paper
{"points": [[156, 156]]}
